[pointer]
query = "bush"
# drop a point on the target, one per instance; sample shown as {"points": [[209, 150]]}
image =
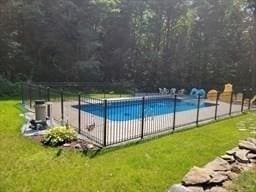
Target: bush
{"points": [[59, 135], [8, 89]]}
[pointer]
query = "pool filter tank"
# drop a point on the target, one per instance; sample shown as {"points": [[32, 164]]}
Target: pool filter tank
{"points": [[40, 110]]}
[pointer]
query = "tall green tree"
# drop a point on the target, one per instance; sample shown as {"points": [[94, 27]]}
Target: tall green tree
{"points": [[150, 43]]}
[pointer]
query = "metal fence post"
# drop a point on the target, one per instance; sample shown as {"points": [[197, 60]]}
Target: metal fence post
{"points": [[104, 91], [242, 106], [142, 117], [48, 105], [79, 113], [62, 105], [198, 110], [30, 97], [250, 98], [105, 123], [22, 94], [216, 108], [174, 113], [231, 102]]}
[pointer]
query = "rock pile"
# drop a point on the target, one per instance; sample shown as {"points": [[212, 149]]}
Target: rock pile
{"points": [[217, 175], [82, 146]]}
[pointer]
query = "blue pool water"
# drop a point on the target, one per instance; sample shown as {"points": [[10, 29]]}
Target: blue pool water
{"points": [[130, 110]]}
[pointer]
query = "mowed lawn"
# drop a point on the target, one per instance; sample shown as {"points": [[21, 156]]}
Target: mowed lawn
{"points": [[246, 182], [149, 166]]}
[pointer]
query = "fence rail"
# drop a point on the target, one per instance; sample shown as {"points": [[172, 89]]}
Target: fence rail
{"points": [[113, 121]]}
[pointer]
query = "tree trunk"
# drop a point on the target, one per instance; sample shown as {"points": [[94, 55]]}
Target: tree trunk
{"points": [[253, 83]]}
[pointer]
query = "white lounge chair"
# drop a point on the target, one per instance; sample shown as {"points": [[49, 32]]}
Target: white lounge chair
{"points": [[161, 91], [172, 91], [181, 92], [166, 91]]}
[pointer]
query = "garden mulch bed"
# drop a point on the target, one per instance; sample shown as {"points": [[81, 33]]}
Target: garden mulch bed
{"points": [[78, 145]]}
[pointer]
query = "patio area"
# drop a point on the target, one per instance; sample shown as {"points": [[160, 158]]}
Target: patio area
{"points": [[116, 132]]}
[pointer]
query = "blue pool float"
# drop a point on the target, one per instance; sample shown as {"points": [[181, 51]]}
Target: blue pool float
{"points": [[194, 92], [201, 93], [198, 92]]}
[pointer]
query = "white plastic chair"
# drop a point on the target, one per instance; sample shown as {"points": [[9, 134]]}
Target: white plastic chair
{"points": [[181, 92], [172, 91], [166, 91], [160, 91]]}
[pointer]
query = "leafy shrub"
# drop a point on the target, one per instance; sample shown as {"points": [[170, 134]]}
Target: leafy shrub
{"points": [[8, 89], [59, 135]]}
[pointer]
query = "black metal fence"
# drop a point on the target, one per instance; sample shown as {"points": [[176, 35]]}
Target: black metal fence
{"points": [[112, 121]]}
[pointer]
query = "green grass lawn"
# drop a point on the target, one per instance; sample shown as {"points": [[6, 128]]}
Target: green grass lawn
{"points": [[149, 166], [245, 183]]}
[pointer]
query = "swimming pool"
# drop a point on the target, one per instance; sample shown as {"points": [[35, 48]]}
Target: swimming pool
{"points": [[132, 109]]}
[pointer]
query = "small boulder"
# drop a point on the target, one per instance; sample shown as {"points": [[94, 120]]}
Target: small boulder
{"points": [[195, 189], [216, 189], [78, 146], [228, 158], [89, 146], [237, 168], [66, 145], [241, 156], [178, 188], [251, 156], [218, 177], [232, 151], [218, 164], [196, 176], [248, 146], [253, 161]]}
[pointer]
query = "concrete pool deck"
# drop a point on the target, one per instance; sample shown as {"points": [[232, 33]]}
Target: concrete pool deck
{"points": [[92, 126]]}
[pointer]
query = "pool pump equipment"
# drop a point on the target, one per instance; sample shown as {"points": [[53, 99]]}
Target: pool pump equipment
{"points": [[40, 121], [40, 110], [38, 125]]}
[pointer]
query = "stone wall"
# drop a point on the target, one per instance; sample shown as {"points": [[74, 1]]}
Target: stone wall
{"points": [[217, 175]]}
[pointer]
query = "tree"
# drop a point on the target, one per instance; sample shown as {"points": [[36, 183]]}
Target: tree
{"points": [[149, 43]]}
